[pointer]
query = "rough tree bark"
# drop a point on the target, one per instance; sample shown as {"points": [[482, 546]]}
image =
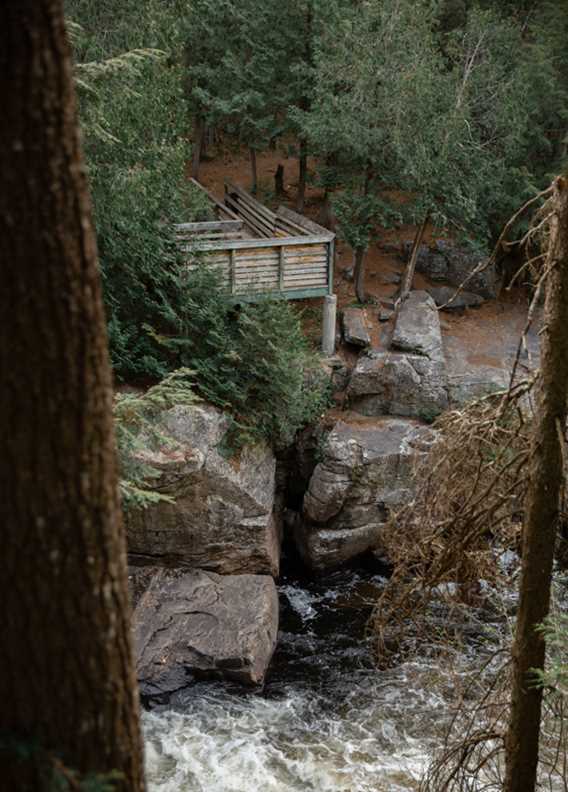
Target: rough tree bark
{"points": [[253, 170], [542, 511], [359, 274], [279, 181], [198, 133], [303, 176], [67, 686], [411, 266], [305, 106]]}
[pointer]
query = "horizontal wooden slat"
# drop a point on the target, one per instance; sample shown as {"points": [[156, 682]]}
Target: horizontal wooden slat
{"points": [[262, 264], [240, 244], [260, 288], [260, 282], [306, 261], [311, 250], [300, 261], [313, 228], [304, 284], [213, 225], [288, 227], [268, 267], [309, 274], [305, 272], [252, 202], [288, 294], [252, 218]]}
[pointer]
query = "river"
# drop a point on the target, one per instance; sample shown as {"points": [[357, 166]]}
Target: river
{"points": [[327, 718]]}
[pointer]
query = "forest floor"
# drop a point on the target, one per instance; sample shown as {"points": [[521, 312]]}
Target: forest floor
{"points": [[480, 337]]}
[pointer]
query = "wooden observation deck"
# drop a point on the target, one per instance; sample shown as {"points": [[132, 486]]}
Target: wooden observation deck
{"points": [[260, 252]]}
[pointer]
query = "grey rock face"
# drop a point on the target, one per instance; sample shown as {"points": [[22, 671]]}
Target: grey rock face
{"points": [[355, 328], [410, 381], [446, 261], [445, 296], [391, 278], [417, 328], [478, 381], [366, 471], [199, 623], [393, 383], [338, 372], [221, 518]]}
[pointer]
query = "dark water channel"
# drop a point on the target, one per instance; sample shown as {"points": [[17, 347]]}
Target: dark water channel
{"points": [[327, 718]]}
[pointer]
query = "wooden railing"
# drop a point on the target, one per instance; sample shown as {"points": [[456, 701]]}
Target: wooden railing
{"points": [[290, 255]]}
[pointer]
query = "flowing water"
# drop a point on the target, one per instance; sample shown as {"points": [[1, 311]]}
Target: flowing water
{"points": [[327, 719]]}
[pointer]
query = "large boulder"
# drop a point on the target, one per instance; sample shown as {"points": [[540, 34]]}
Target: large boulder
{"points": [[355, 330], [393, 383], [410, 381], [447, 262], [478, 381], [448, 298], [221, 512], [365, 473], [196, 623], [417, 328]]}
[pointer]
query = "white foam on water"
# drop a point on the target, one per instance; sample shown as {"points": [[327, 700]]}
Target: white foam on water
{"points": [[374, 734], [301, 601]]}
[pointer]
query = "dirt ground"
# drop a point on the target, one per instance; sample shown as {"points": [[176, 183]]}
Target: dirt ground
{"points": [[483, 336]]}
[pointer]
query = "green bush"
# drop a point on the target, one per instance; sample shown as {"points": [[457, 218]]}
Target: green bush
{"points": [[133, 109], [138, 432], [252, 360]]}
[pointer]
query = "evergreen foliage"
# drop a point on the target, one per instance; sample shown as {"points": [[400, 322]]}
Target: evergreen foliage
{"points": [[137, 432], [252, 360], [133, 109]]}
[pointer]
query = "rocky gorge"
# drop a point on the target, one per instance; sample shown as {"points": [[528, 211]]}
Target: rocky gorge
{"points": [[206, 557]]}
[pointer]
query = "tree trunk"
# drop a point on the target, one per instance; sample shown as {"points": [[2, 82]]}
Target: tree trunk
{"points": [[305, 106], [411, 268], [542, 512], [359, 274], [67, 687], [253, 170], [279, 180], [198, 131], [303, 176]]}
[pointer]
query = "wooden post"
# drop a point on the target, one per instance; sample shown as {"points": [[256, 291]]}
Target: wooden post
{"points": [[281, 265], [232, 273], [329, 319], [330, 265]]}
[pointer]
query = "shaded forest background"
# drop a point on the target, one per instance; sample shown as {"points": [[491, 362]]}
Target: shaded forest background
{"points": [[459, 106]]}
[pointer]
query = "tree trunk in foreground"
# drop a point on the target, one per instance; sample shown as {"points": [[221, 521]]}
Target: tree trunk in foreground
{"points": [[67, 686], [542, 512], [359, 274]]}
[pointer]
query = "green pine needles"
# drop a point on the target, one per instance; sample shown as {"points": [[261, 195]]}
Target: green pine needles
{"points": [[137, 432], [252, 360]]}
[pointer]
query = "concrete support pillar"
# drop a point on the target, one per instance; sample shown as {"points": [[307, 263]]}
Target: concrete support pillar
{"points": [[329, 317]]}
